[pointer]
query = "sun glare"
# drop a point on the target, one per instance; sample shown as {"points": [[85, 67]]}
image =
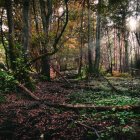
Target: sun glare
{"points": [[60, 11], [132, 24]]}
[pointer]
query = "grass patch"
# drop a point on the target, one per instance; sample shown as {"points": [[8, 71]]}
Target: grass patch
{"points": [[111, 125], [103, 99]]}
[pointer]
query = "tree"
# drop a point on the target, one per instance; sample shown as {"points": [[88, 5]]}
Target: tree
{"points": [[11, 45], [26, 28], [46, 23], [98, 38], [90, 42]]}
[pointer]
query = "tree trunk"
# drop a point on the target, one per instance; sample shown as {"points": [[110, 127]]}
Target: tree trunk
{"points": [[115, 50], [26, 30], [90, 42], [98, 39], [45, 22], [110, 54], [81, 45], [35, 17], [137, 34], [126, 53], [120, 51], [12, 55]]}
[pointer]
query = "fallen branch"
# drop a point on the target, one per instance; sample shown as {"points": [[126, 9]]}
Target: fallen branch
{"points": [[91, 128], [109, 83], [85, 106], [76, 107], [59, 74], [98, 108], [91, 106], [28, 91]]}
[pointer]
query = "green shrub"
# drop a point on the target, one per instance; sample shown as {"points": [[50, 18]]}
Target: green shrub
{"points": [[7, 82]]}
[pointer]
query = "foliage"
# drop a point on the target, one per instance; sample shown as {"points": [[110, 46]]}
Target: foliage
{"points": [[103, 98], [7, 82], [22, 71], [114, 133], [122, 124], [115, 124]]}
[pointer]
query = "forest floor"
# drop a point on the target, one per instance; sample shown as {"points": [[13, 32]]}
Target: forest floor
{"points": [[22, 118]]}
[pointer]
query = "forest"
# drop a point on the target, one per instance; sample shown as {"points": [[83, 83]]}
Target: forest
{"points": [[69, 69]]}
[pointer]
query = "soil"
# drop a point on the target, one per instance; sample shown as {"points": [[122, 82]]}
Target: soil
{"points": [[20, 121]]}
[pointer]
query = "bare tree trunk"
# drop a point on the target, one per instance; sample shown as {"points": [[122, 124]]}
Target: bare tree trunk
{"points": [[12, 55], [98, 39], [90, 42], [138, 37], [126, 53], [45, 21], [110, 53], [81, 45], [135, 48], [26, 26], [2, 39], [120, 55], [120, 52], [115, 50], [131, 48], [124, 39], [35, 16]]}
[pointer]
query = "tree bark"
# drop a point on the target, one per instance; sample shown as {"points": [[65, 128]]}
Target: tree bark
{"points": [[120, 51], [77, 107], [81, 43], [57, 39], [45, 22], [90, 42], [26, 27], [126, 53], [138, 37], [35, 16], [98, 38], [12, 55], [28, 91], [110, 53]]}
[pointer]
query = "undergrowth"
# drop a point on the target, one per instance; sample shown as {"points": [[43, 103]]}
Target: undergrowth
{"points": [[111, 125], [7, 82], [103, 98]]}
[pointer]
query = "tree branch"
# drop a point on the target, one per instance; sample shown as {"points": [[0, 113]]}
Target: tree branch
{"points": [[56, 40], [27, 91]]}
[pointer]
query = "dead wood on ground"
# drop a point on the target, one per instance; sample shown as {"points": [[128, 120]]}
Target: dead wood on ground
{"points": [[59, 74], [80, 106], [31, 94], [109, 83]]}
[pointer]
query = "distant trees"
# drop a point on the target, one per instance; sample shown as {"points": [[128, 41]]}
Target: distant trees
{"points": [[19, 46], [97, 34]]}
